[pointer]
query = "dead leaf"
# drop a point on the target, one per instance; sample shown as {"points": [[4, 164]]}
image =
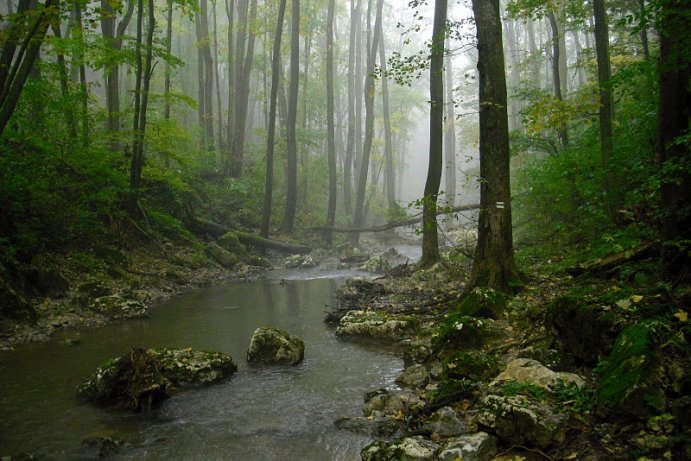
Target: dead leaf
{"points": [[682, 316], [636, 298]]}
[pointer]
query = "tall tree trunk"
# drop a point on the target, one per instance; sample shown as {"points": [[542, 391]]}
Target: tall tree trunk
{"points": [[169, 44], [243, 90], [363, 166], [450, 138], [580, 72], [141, 98], [556, 73], [673, 154], [113, 37], [388, 145], [430, 245], [70, 118], [291, 154], [201, 87], [533, 53], [217, 79], [305, 115], [350, 141], [205, 51], [606, 105], [230, 14], [330, 135], [271, 135], [644, 31], [493, 263], [83, 85]]}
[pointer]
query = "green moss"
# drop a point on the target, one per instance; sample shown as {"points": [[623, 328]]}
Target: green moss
{"points": [[513, 388], [489, 302], [459, 331], [451, 390], [629, 369], [473, 365]]}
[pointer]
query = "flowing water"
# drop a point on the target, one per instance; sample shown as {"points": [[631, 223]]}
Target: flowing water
{"points": [[283, 413]]}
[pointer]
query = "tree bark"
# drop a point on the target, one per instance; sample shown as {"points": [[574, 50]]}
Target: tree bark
{"points": [[493, 263], [430, 244], [673, 154], [330, 135], [292, 161], [270, 138], [606, 105], [450, 137], [388, 144], [350, 141], [562, 131]]}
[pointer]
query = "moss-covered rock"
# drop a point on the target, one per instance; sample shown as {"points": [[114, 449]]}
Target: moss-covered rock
{"points": [[446, 423], [580, 330], [533, 372], [483, 302], [406, 449], [375, 325], [300, 262], [470, 364], [413, 376], [521, 420], [472, 447], [348, 253], [222, 256], [272, 346], [231, 243], [143, 377], [629, 375], [378, 265]]}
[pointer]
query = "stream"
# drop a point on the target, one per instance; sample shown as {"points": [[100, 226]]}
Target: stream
{"points": [[282, 413]]}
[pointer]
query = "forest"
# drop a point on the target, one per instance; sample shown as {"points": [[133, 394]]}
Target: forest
{"points": [[494, 195]]}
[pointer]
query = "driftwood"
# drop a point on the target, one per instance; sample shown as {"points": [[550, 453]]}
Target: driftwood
{"points": [[392, 225], [217, 230], [612, 262]]}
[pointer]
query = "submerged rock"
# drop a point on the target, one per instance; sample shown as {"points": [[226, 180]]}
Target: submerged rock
{"points": [[271, 346], [376, 325], [476, 447], [521, 420], [381, 426], [117, 307], [533, 372], [143, 377]]}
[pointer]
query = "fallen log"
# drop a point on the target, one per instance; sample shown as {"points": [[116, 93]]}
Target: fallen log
{"points": [[612, 262], [216, 230], [392, 225]]}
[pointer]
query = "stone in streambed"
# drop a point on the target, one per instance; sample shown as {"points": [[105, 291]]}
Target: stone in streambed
{"points": [[533, 372], [476, 447], [272, 346], [142, 378], [376, 325]]}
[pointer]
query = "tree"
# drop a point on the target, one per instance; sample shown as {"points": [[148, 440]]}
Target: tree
{"points": [[493, 263], [388, 143], [363, 164], [430, 245], [450, 137], [19, 52], [606, 106], [330, 136], [673, 132], [271, 135], [292, 167]]}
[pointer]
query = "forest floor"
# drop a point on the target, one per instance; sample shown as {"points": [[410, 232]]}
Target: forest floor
{"points": [[594, 366]]}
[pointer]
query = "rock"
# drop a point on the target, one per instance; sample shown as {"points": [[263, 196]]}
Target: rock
{"points": [[377, 264], [387, 403], [417, 352], [405, 449], [414, 376], [347, 253], [230, 242], [469, 364], [222, 256], [271, 346], [185, 368], [13, 303], [445, 423], [98, 447], [50, 282], [299, 261], [476, 447], [376, 325], [144, 377], [520, 420], [380, 426], [117, 307], [533, 372]]}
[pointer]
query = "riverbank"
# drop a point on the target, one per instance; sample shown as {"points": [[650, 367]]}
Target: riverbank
{"points": [[593, 366]]}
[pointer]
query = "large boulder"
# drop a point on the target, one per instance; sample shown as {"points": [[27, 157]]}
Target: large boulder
{"points": [[271, 346], [142, 378], [521, 420], [378, 265], [533, 372], [347, 253], [382, 402], [375, 325], [474, 447]]}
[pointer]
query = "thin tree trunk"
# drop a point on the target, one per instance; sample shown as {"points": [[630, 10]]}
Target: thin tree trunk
{"points": [[644, 32], [388, 147], [350, 141], [606, 104], [363, 167], [271, 135], [217, 79], [230, 13], [169, 44], [83, 86], [64, 86], [330, 135], [556, 74], [450, 138], [291, 155], [430, 245]]}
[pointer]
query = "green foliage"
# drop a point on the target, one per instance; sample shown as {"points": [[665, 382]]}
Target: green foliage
{"points": [[458, 331], [573, 397], [471, 364], [451, 390]]}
